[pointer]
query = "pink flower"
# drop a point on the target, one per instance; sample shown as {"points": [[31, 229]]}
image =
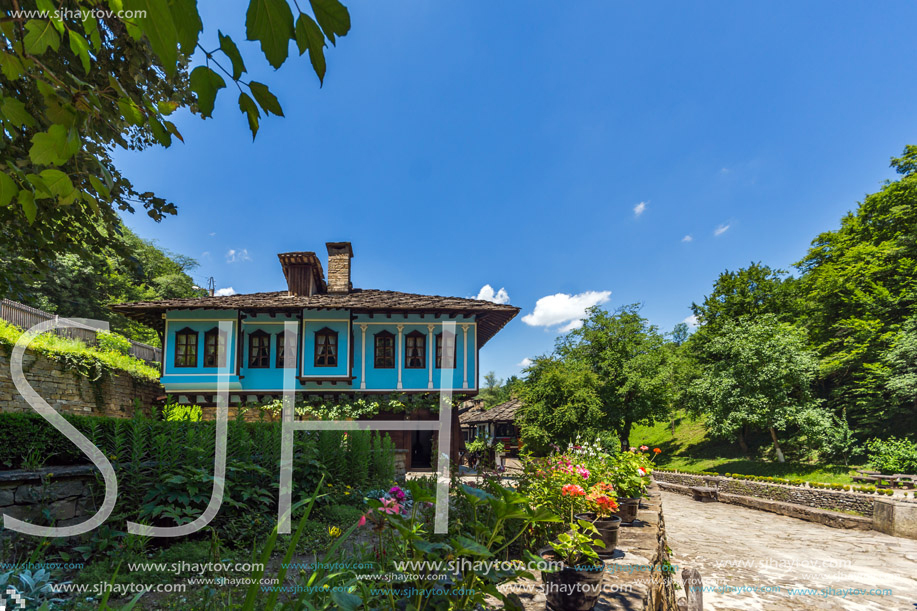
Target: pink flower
{"points": [[644, 448], [390, 506], [584, 472], [396, 492], [362, 521]]}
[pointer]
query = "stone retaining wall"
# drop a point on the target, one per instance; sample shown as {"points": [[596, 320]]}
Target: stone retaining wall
{"points": [[639, 577], [70, 393], [830, 500], [66, 492]]}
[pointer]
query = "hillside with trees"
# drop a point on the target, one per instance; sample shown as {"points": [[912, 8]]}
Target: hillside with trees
{"points": [[806, 366]]}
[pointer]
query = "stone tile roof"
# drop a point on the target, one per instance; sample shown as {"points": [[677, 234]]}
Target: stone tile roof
{"points": [[505, 412], [491, 317]]}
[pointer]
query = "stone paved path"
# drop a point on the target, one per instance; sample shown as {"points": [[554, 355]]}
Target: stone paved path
{"points": [[739, 547]]}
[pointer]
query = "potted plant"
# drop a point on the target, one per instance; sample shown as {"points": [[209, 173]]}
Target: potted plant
{"points": [[602, 505], [576, 584], [630, 479]]}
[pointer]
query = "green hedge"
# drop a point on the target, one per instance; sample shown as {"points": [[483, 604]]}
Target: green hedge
{"points": [[29, 442]]}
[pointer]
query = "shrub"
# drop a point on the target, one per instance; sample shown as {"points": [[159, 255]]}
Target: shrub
{"points": [[892, 455], [88, 361], [113, 342]]}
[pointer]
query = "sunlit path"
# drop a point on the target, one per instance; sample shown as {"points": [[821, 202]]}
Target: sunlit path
{"points": [[747, 549]]}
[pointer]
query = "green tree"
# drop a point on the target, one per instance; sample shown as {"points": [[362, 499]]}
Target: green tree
{"points": [[560, 400], [750, 291], [757, 373], [859, 286], [85, 285], [629, 357], [901, 370], [83, 78]]}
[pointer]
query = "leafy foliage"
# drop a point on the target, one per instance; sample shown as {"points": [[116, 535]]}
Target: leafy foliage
{"points": [[893, 455], [80, 81], [860, 290], [88, 361], [127, 268], [755, 373]]}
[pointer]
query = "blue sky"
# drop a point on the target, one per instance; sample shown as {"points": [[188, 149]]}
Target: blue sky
{"points": [[546, 148]]}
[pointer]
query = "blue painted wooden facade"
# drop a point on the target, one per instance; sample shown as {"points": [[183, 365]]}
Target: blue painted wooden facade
{"points": [[330, 327], [355, 369]]}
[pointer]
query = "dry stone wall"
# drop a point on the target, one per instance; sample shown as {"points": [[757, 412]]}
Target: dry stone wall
{"points": [[70, 393], [830, 500], [65, 492]]}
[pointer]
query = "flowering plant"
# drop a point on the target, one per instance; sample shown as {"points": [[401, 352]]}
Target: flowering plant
{"points": [[601, 500], [631, 473]]}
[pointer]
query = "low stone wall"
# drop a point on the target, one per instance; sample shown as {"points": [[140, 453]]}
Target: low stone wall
{"points": [[639, 577], [830, 500], [644, 567], [66, 492], [70, 393]]}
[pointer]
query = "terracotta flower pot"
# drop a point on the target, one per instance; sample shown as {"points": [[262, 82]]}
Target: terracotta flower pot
{"points": [[571, 588], [627, 509], [608, 532]]}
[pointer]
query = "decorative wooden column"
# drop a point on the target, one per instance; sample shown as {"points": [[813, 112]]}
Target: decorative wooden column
{"points": [[465, 354], [400, 350], [363, 356], [431, 340]]}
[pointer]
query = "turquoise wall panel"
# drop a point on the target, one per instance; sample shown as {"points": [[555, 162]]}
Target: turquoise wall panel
{"points": [[464, 376]]}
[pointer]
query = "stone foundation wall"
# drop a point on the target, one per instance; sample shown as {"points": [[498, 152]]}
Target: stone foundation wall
{"points": [[830, 500], [70, 393], [66, 492]]}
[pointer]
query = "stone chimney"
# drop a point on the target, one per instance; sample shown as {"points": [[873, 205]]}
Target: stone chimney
{"points": [[339, 255]]}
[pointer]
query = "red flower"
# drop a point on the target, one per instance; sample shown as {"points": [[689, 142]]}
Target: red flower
{"points": [[656, 450], [572, 490], [607, 504]]}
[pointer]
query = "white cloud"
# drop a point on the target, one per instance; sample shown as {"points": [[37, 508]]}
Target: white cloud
{"points": [[524, 362], [213, 233], [564, 311], [691, 321], [639, 208], [725, 170], [487, 294], [225, 292], [721, 230], [236, 256], [688, 238]]}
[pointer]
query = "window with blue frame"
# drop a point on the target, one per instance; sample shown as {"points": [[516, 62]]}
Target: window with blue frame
{"points": [[415, 350], [259, 350], [445, 345], [326, 348], [214, 348], [186, 348], [384, 357]]}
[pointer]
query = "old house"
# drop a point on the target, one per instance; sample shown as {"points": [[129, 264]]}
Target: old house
{"points": [[338, 341]]}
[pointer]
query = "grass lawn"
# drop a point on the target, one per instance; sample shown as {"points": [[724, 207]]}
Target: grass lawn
{"points": [[690, 449]]}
